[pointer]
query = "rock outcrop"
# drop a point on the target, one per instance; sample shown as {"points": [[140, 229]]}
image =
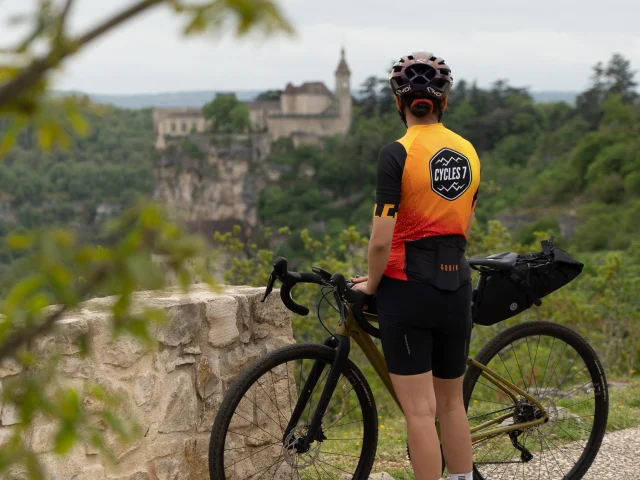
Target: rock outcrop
{"points": [[172, 391], [213, 181]]}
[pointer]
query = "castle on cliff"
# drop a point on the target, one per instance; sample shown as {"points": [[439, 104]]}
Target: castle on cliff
{"points": [[304, 113]]}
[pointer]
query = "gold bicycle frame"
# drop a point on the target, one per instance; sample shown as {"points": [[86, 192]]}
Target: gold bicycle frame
{"points": [[351, 329]]}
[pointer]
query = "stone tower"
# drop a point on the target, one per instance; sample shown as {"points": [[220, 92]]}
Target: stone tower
{"points": [[343, 91]]}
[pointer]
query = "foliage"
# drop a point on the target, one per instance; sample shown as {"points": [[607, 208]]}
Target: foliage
{"points": [[269, 95], [227, 114], [25, 69], [551, 160], [56, 266], [601, 304], [62, 271]]}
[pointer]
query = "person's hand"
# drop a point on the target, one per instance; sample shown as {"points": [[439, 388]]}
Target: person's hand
{"points": [[365, 288], [359, 279]]}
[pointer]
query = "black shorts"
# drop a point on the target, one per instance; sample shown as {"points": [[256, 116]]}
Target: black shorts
{"points": [[423, 328]]}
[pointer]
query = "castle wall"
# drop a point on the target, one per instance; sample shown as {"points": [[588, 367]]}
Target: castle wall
{"points": [[305, 103], [284, 127], [177, 122], [259, 113]]}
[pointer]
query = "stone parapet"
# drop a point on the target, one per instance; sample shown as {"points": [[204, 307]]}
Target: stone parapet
{"points": [[171, 391]]}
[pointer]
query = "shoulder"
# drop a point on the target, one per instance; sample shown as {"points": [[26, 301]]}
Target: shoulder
{"points": [[393, 153], [463, 143], [393, 149]]}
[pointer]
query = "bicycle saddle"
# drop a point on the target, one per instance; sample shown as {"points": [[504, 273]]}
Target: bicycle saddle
{"points": [[499, 261]]}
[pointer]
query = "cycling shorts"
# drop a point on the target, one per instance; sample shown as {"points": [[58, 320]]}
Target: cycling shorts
{"points": [[423, 328]]}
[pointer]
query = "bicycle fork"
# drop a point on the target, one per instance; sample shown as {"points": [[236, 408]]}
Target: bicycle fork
{"points": [[342, 345]]}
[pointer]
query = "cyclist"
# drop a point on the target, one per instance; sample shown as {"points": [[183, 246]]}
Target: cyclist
{"points": [[427, 186]]}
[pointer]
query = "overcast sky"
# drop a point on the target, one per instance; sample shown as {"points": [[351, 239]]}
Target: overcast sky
{"points": [[542, 44]]}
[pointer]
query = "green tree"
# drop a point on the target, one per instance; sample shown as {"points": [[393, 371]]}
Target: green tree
{"points": [[621, 79], [269, 95], [227, 114]]}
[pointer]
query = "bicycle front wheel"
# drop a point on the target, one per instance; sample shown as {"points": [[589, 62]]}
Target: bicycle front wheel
{"points": [[250, 439], [557, 367]]}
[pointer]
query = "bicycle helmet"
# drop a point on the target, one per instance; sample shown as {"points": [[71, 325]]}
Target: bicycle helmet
{"points": [[421, 71], [420, 74]]}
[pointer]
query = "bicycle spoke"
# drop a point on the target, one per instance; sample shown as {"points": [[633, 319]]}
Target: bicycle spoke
{"points": [[558, 382]]}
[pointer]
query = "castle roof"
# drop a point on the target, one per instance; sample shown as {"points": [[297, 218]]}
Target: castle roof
{"points": [[343, 68], [318, 88], [264, 105]]}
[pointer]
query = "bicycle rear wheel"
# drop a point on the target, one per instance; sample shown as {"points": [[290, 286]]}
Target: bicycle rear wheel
{"points": [[249, 440], [555, 365]]}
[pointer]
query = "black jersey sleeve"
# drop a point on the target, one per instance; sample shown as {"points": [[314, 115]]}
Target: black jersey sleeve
{"points": [[391, 162]]}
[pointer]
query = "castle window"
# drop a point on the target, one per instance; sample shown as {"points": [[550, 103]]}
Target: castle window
{"points": [[173, 126], [184, 127]]}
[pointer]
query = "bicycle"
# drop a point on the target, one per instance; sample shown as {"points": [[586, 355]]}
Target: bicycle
{"points": [[519, 426]]}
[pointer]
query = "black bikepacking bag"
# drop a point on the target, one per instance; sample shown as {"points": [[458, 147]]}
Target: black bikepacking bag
{"points": [[535, 275]]}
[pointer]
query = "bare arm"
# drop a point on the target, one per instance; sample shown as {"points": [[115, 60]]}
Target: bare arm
{"points": [[379, 249]]}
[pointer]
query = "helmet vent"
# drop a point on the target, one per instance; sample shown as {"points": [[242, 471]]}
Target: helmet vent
{"points": [[410, 57], [433, 58], [397, 68], [441, 62], [420, 74]]}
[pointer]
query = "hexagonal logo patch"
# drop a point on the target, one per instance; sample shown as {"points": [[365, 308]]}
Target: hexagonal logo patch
{"points": [[450, 173]]}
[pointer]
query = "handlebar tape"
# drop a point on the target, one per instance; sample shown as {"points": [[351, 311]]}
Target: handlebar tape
{"points": [[290, 281]]}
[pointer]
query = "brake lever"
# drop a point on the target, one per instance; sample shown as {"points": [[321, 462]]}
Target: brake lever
{"points": [[269, 289]]}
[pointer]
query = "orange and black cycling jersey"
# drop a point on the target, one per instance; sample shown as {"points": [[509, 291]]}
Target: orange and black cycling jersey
{"points": [[428, 180]]}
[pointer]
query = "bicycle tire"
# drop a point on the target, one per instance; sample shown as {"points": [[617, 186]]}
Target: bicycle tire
{"points": [[277, 357], [589, 356]]}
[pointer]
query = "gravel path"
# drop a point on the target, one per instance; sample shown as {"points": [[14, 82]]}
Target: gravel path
{"points": [[618, 457]]}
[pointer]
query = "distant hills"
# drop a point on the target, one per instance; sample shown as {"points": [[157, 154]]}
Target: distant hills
{"points": [[196, 99]]}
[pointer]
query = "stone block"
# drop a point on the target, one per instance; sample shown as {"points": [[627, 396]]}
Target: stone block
{"points": [[234, 361], [144, 388], [192, 350], [221, 314], [90, 472], [180, 414], [123, 352], [9, 367], [75, 366], [196, 455], [207, 376], [169, 468], [184, 323], [5, 434], [10, 415], [42, 437], [64, 338], [134, 476], [207, 411]]}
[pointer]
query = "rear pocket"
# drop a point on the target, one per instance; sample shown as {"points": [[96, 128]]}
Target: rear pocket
{"points": [[438, 261]]}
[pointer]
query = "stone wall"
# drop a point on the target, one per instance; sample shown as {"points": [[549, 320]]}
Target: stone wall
{"points": [[172, 391]]}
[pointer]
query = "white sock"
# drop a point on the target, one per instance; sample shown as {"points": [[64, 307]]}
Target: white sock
{"points": [[461, 476]]}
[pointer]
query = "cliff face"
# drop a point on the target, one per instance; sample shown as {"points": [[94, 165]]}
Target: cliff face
{"points": [[212, 182]]}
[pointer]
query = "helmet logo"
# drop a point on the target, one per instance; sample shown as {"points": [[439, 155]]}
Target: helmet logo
{"points": [[404, 90], [434, 92]]}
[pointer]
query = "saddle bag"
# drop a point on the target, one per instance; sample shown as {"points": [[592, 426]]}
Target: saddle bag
{"points": [[503, 294]]}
